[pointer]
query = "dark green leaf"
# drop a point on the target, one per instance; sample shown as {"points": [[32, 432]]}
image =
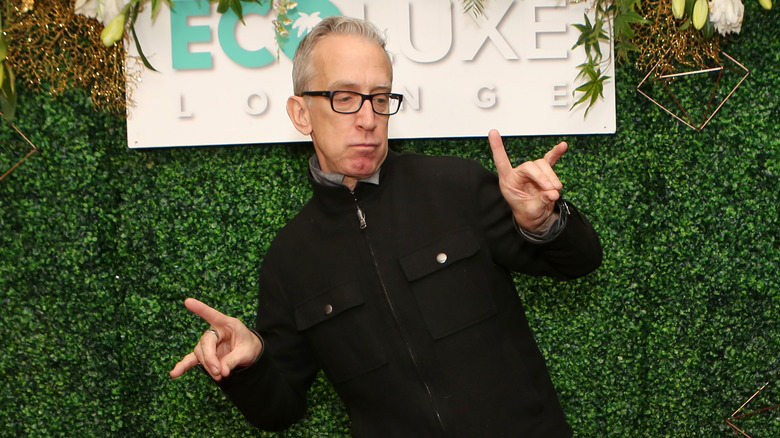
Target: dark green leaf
{"points": [[223, 6], [140, 50], [591, 91], [8, 93]]}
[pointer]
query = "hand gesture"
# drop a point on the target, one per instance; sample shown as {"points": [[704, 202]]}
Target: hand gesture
{"points": [[531, 188], [225, 346]]}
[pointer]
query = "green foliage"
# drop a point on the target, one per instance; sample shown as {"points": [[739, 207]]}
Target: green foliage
{"points": [[593, 88], [620, 14], [99, 246], [235, 6], [7, 92], [475, 7], [7, 83]]}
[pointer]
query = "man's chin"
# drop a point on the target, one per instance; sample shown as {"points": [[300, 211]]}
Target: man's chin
{"points": [[364, 167]]}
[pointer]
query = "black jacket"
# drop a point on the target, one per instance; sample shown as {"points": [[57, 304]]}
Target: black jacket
{"points": [[414, 318]]}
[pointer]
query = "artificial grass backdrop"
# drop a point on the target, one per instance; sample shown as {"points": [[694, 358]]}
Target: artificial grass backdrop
{"points": [[101, 244]]}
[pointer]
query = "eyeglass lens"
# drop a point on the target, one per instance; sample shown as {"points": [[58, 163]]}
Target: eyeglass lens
{"points": [[350, 102]]}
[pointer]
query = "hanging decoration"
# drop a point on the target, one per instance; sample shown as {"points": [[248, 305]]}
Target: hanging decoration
{"points": [[716, 81], [54, 49], [62, 44], [666, 39]]}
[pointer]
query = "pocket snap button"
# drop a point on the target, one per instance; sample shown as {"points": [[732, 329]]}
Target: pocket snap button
{"points": [[441, 258]]}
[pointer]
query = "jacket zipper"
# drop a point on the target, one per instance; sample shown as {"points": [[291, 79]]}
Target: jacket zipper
{"points": [[429, 391], [360, 215]]}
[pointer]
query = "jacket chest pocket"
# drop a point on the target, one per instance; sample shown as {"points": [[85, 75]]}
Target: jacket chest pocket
{"points": [[449, 282], [338, 326]]}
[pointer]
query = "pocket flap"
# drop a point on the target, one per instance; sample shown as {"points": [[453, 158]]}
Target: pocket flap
{"points": [[327, 305], [439, 255]]}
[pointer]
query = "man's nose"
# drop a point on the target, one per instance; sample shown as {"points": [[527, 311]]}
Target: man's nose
{"points": [[366, 115]]}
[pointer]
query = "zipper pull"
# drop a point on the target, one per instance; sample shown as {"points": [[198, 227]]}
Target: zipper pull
{"points": [[362, 218]]}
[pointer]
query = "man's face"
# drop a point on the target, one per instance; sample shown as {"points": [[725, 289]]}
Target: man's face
{"points": [[352, 144]]}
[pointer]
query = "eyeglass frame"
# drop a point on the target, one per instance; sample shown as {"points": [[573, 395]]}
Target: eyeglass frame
{"points": [[363, 97]]}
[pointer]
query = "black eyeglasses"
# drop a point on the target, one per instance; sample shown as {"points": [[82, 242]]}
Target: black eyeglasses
{"points": [[349, 102]]}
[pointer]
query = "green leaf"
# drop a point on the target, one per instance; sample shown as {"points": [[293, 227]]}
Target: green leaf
{"points": [[588, 70], [623, 22], [590, 35], [8, 93], [3, 48], [623, 48], [689, 7], [585, 30], [156, 7], [592, 90], [223, 6], [708, 31], [235, 5], [475, 7], [134, 14]]}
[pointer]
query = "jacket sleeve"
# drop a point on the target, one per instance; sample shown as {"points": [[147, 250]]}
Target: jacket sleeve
{"points": [[574, 252], [271, 393]]}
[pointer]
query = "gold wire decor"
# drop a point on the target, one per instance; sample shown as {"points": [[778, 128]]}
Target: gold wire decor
{"points": [[33, 149], [674, 55], [696, 118], [664, 45], [739, 416], [52, 47]]}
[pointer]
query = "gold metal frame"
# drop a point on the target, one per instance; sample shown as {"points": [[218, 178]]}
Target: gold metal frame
{"points": [[734, 416], [707, 115], [33, 150]]}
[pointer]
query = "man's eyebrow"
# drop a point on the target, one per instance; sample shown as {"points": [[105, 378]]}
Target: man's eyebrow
{"points": [[344, 85]]}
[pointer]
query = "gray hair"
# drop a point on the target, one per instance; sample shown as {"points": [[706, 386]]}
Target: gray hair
{"points": [[333, 25]]}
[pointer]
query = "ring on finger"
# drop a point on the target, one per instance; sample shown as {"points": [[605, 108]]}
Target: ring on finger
{"points": [[212, 331]]}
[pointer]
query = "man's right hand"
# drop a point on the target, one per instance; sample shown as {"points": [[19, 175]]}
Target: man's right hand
{"points": [[227, 344]]}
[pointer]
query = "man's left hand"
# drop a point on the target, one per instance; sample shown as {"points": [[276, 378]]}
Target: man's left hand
{"points": [[531, 188]]}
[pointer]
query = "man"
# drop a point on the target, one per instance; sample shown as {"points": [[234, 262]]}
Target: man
{"points": [[395, 279]]}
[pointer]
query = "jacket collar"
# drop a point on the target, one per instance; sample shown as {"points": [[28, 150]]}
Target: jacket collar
{"points": [[333, 197]]}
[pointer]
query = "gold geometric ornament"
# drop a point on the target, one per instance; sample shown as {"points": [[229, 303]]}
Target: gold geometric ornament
{"points": [[29, 145], [704, 90], [765, 401]]}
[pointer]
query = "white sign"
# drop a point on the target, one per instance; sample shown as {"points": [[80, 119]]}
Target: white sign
{"points": [[222, 82]]}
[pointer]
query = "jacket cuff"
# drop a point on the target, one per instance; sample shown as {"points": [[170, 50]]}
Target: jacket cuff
{"points": [[262, 349], [562, 207]]}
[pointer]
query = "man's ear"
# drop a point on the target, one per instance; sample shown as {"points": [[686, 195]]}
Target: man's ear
{"points": [[299, 114]]}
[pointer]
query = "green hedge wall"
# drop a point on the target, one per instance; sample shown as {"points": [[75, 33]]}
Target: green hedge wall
{"points": [[101, 244]]}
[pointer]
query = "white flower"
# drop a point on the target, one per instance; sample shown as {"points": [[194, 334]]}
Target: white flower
{"points": [[727, 15], [103, 10], [86, 7]]}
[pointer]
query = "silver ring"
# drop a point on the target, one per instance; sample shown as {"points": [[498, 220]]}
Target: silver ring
{"points": [[212, 331]]}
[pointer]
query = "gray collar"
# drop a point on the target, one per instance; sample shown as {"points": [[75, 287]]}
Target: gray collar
{"points": [[334, 179]]}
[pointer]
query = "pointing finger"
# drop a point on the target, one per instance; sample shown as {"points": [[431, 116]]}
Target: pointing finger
{"points": [[211, 315], [500, 158], [553, 155]]}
